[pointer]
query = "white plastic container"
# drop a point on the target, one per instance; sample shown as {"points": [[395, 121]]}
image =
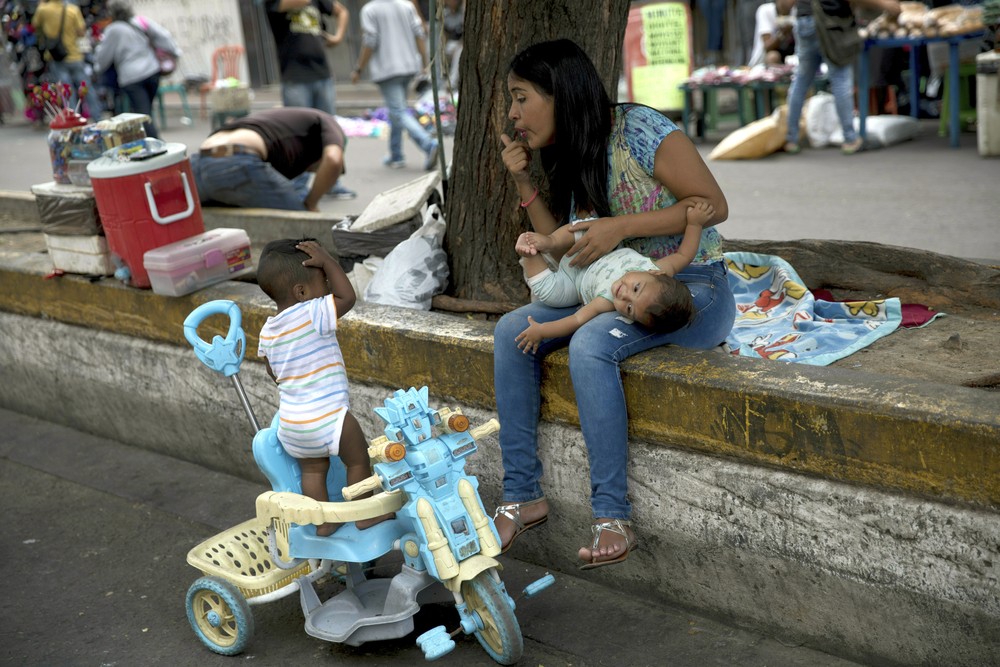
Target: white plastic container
{"points": [[88, 255], [988, 103], [198, 261]]}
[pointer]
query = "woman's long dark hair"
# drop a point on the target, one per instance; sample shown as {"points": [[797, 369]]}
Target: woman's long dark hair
{"points": [[577, 162]]}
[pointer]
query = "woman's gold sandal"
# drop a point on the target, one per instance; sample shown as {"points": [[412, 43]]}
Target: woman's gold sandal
{"points": [[512, 512], [619, 526]]}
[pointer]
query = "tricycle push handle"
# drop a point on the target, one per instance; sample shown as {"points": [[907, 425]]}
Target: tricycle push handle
{"points": [[223, 355]]}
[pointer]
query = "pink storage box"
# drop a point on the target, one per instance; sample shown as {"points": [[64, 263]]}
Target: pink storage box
{"points": [[198, 261]]}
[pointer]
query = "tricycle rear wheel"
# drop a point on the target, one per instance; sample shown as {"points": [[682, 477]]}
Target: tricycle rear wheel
{"points": [[501, 634], [219, 615]]}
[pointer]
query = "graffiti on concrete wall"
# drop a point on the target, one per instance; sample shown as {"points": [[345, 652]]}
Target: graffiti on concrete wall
{"points": [[199, 26]]}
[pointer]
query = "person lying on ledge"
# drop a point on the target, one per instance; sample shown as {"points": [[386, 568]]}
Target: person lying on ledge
{"points": [[265, 160]]}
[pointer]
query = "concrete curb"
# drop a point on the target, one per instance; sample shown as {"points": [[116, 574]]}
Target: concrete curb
{"points": [[916, 437]]}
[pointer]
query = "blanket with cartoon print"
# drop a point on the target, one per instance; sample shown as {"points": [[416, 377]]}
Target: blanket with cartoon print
{"points": [[779, 318]]}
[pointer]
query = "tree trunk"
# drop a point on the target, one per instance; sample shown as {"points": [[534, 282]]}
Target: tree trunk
{"points": [[482, 210]]}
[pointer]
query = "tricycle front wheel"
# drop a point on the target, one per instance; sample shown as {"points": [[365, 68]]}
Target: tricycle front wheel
{"points": [[501, 634], [219, 615]]}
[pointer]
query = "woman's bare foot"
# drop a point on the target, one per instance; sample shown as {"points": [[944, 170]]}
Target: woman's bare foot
{"points": [[512, 519], [613, 540]]}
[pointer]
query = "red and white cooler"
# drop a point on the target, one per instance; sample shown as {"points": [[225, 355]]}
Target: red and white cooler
{"points": [[146, 198]]}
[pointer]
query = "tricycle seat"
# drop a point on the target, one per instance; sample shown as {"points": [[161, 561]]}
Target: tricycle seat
{"points": [[347, 544]]}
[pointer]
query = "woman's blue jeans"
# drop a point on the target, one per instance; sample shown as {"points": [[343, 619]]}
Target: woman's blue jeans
{"points": [[595, 352], [394, 93], [841, 82]]}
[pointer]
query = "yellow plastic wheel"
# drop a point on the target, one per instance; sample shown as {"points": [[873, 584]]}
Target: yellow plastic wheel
{"points": [[501, 634], [219, 615]]}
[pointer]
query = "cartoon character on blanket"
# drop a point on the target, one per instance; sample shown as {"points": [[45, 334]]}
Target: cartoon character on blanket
{"points": [[779, 318]]}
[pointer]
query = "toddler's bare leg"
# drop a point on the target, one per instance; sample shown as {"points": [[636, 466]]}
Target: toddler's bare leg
{"points": [[354, 454], [314, 473]]}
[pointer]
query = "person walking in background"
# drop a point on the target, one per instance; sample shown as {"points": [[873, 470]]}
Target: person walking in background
{"points": [[301, 40], [394, 50], [453, 27], [128, 46], [72, 69], [773, 41], [841, 76]]}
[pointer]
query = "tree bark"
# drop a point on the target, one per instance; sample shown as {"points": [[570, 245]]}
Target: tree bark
{"points": [[482, 210]]}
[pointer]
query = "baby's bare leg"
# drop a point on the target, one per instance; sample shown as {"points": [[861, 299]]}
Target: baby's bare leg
{"points": [[314, 473], [354, 454]]}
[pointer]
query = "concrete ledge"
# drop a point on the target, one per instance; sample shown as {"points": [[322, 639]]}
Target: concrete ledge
{"points": [[936, 441]]}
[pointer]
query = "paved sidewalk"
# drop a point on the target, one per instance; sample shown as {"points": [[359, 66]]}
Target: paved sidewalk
{"points": [[920, 194], [94, 566]]}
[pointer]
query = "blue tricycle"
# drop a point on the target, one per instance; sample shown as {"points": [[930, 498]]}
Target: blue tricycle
{"points": [[447, 541]]}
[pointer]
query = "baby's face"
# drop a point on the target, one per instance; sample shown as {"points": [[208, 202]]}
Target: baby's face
{"points": [[634, 293]]}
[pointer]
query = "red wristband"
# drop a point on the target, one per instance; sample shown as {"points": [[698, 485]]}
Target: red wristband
{"points": [[526, 204]]}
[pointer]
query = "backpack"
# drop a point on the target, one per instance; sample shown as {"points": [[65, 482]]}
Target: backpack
{"points": [[54, 46]]}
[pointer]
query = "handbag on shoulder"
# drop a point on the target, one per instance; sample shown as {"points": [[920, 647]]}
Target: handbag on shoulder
{"points": [[838, 37], [54, 46]]}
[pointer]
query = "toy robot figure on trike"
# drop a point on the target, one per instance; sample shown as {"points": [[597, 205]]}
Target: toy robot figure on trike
{"points": [[447, 541]]}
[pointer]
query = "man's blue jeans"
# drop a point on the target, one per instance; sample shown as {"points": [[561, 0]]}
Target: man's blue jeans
{"points": [[246, 181], [312, 95], [841, 82], [394, 93], [595, 351]]}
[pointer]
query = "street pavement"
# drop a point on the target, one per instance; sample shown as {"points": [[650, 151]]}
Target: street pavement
{"points": [[94, 574]]}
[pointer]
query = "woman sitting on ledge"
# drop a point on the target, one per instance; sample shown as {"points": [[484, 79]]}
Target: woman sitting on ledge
{"points": [[628, 166]]}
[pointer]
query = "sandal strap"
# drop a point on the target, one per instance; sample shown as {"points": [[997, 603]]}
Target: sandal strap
{"points": [[615, 526], [512, 512]]}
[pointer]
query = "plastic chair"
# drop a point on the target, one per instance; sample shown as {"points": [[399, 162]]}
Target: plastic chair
{"points": [[225, 64], [181, 91], [965, 99]]}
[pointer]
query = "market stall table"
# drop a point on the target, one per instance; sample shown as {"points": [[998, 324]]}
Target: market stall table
{"points": [[760, 91], [913, 43]]}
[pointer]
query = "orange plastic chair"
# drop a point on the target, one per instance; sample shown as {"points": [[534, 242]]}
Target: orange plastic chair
{"points": [[225, 63]]}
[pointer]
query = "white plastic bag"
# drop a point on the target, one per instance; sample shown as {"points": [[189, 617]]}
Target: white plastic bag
{"points": [[362, 274], [887, 130], [415, 270], [822, 125]]}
